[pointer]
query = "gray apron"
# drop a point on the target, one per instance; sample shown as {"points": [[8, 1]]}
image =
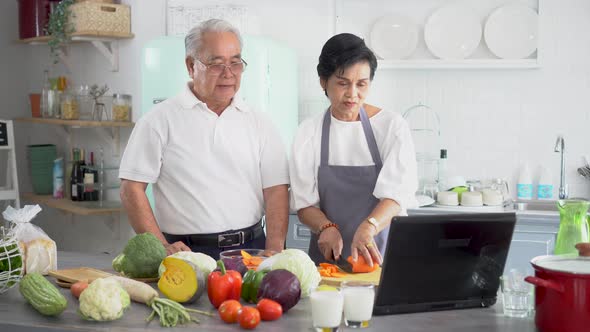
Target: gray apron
{"points": [[346, 192]]}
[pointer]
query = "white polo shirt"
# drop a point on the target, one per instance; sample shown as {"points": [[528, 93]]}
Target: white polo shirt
{"points": [[208, 171], [398, 178]]}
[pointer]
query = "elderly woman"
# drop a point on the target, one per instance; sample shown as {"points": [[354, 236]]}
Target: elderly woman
{"points": [[353, 168]]}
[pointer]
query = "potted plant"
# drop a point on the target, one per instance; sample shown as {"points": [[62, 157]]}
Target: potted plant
{"points": [[59, 28]]}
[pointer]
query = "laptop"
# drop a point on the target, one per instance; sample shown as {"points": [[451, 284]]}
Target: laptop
{"points": [[443, 262]]}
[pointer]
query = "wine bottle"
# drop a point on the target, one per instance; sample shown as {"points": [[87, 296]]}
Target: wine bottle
{"points": [[80, 174], [74, 176]]}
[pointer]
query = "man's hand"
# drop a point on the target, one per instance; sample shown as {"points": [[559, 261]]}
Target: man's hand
{"points": [[176, 247], [364, 244], [330, 243]]}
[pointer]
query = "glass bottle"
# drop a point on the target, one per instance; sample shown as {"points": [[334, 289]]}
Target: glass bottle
{"points": [[82, 171], [573, 226], [442, 171], [45, 97], [74, 176]]}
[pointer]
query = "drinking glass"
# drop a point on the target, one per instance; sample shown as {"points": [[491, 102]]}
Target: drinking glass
{"points": [[358, 303], [326, 308], [516, 294]]}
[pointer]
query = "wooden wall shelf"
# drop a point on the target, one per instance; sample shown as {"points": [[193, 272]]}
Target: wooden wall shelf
{"points": [[112, 127], [79, 208], [106, 43], [77, 123]]}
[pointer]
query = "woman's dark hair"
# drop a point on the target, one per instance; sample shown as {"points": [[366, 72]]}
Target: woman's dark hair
{"points": [[342, 51]]}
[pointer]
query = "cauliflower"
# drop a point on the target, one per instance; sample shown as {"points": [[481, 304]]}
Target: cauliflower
{"points": [[103, 300], [202, 261], [141, 257]]}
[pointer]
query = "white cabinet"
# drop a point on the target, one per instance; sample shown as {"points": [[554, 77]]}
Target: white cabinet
{"points": [[533, 236]]}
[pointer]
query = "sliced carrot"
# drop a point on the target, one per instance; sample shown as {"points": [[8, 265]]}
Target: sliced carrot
{"points": [[339, 274]]}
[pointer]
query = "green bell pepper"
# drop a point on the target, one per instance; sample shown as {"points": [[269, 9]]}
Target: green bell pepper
{"points": [[250, 285]]}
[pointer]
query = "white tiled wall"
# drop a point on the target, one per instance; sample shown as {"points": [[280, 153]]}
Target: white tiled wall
{"points": [[491, 120], [494, 120]]}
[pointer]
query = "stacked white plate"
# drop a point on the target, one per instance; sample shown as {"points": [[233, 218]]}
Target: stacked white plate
{"points": [[511, 31], [394, 37], [452, 32]]}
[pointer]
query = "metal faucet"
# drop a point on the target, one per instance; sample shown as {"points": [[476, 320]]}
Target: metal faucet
{"points": [[560, 147]]}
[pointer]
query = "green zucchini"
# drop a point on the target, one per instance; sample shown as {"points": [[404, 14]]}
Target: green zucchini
{"points": [[42, 295]]}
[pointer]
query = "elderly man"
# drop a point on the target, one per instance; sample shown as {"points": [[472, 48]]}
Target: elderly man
{"points": [[215, 164]]}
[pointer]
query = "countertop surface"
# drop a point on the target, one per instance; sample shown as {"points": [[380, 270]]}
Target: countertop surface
{"points": [[17, 315]]}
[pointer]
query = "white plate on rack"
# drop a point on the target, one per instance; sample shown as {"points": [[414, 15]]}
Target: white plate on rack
{"points": [[394, 37], [511, 31], [452, 32]]}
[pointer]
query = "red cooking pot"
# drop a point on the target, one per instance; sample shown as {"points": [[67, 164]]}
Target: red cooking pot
{"points": [[562, 293]]}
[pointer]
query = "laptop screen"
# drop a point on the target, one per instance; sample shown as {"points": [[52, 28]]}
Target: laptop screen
{"points": [[444, 259]]}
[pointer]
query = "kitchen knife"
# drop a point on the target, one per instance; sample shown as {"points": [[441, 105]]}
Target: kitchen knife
{"points": [[342, 264]]}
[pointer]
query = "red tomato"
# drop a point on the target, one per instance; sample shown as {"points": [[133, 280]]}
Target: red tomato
{"points": [[269, 309], [248, 317], [228, 311], [78, 287]]}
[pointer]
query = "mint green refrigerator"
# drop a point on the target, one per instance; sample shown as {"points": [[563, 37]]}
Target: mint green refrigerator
{"points": [[269, 84]]}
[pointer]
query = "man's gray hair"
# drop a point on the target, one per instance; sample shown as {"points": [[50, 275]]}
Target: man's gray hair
{"points": [[194, 39]]}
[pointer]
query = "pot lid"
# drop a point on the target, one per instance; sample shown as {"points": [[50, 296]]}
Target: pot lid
{"points": [[570, 263]]}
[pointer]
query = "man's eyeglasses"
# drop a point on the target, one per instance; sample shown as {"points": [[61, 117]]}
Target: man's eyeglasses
{"points": [[236, 68]]}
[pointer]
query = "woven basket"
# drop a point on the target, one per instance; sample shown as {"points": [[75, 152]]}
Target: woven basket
{"points": [[10, 254], [99, 18]]}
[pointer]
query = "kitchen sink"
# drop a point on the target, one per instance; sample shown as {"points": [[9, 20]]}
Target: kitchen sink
{"points": [[535, 205]]}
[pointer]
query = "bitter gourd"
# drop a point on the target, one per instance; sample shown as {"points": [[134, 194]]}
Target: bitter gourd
{"points": [[42, 295]]}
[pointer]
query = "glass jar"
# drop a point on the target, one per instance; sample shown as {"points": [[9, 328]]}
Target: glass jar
{"points": [[69, 106], [121, 107]]}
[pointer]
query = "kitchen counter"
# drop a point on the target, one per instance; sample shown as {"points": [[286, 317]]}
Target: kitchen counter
{"points": [[17, 315]]}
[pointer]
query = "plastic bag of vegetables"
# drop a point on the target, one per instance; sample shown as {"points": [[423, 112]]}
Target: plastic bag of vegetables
{"points": [[297, 262], [103, 300]]}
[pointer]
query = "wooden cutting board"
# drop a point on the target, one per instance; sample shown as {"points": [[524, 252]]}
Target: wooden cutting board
{"points": [[372, 277], [65, 278], [77, 274]]}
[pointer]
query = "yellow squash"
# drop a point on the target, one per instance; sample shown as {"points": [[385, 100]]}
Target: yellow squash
{"points": [[182, 281]]}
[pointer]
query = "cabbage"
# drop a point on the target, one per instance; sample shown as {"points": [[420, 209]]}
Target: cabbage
{"points": [[297, 262], [203, 262]]}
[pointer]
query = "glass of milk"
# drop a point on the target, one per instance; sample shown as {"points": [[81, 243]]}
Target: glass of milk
{"points": [[326, 308], [358, 303]]}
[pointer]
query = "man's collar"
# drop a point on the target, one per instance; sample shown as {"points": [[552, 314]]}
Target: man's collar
{"points": [[188, 100]]}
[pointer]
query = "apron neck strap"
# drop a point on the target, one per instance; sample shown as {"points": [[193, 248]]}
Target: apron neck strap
{"points": [[367, 129]]}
